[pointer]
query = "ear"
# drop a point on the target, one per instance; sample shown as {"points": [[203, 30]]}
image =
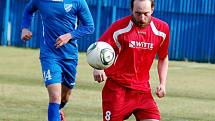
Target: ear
{"points": [[152, 10]]}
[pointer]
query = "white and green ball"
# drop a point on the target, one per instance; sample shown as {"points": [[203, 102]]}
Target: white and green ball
{"points": [[100, 55]]}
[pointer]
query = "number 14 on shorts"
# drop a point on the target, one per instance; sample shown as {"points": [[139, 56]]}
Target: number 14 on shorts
{"points": [[47, 75]]}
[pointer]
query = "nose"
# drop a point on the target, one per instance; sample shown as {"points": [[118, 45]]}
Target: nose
{"points": [[142, 18]]}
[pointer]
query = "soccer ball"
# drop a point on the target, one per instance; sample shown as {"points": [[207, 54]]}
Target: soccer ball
{"points": [[100, 55]]}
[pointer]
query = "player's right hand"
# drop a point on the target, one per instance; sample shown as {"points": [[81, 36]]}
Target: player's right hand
{"points": [[26, 34], [99, 75]]}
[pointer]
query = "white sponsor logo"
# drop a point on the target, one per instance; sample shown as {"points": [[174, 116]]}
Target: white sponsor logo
{"points": [[142, 45], [67, 7]]}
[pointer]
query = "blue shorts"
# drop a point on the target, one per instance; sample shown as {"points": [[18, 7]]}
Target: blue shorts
{"points": [[59, 71]]}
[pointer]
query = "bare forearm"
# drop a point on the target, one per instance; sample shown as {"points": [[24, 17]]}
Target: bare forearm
{"points": [[162, 70]]}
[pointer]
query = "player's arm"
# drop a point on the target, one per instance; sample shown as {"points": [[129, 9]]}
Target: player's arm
{"points": [[26, 21], [163, 61], [162, 73], [86, 25], [107, 36]]}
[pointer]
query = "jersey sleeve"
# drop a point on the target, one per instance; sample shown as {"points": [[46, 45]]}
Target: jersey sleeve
{"points": [[108, 36], [163, 50], [86, 25], [28, 13]]}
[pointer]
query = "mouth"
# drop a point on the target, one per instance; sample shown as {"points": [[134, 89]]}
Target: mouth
{"points": [[142, 24], [139, 23]]}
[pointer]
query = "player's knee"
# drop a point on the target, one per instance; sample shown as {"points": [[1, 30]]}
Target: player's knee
{"points": [[55, 98]]}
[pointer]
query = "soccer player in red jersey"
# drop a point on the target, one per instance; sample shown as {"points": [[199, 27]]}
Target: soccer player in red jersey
{"points": [[136, 39]]}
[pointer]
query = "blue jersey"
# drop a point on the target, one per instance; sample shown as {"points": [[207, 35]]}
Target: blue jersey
{"points": [[60, 17]]}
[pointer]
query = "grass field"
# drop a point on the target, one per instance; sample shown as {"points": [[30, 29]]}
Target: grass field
{"points": [[190, 90]]}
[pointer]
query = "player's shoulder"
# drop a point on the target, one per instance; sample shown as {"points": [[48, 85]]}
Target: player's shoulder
{"points": [[80, 1], [160, 23], [121, 23], [123, 20], [33, 1]]}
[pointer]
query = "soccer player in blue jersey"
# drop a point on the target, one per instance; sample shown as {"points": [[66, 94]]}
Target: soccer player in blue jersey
{"points": [[58, 46]]}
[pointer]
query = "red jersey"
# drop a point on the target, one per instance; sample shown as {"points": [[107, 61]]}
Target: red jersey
{"points": [[136, 48]]}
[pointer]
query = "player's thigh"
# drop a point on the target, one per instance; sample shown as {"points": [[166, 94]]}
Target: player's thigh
{"points": [[51, 70], [113, 102], [65, 93], [147, 110], [69, 72]]}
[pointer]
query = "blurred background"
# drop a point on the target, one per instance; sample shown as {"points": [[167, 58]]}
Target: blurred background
{"points": [[192, 25]]}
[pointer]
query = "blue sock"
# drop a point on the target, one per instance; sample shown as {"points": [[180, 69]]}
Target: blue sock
{"points": [[53, 112]]}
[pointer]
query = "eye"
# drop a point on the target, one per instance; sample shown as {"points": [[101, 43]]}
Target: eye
{"points": [[147, 13], [138, 13]]}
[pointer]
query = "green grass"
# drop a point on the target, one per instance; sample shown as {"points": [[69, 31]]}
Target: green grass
{"points": [[23, 97]]}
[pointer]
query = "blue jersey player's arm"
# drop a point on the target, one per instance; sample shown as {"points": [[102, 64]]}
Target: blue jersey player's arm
{"points": [[27, 16], [85, 17], [28, 13]]}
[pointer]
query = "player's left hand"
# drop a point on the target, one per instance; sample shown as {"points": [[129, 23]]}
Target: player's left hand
{"points": [[161, 91], [63, 39]]}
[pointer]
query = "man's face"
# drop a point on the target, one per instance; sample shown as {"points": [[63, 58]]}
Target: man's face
{"points": [[142, 12]]}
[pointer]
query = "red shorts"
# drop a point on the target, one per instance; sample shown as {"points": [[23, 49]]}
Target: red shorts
{"points": [[119, 103]]}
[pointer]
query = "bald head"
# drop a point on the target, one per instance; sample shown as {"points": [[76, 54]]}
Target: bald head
{"points": [[152, 3]]}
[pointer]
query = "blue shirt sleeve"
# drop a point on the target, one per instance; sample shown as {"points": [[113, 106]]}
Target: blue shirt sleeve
{"points": [[86, 25], [28, 12]]}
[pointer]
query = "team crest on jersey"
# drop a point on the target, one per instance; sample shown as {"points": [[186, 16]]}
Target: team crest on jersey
{"points": [[67, 7], [142, 45]]}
